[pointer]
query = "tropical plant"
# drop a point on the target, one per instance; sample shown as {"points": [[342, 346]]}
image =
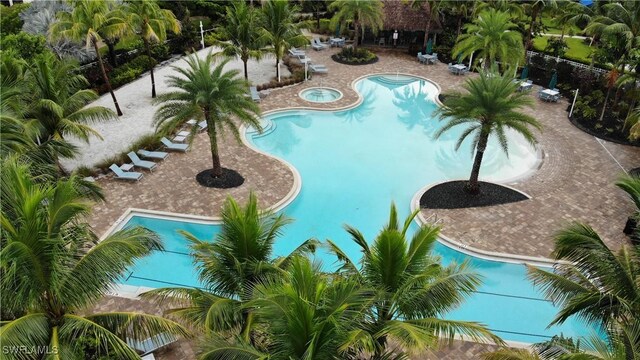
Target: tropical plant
{"points": [[633, 124], [509, 6], [239, 37], [610, 81], [150, 23], [304, 314], [494, 37], [279, 29], [566, 14], [534, 9], [631, 185], [412, 291], [57, 108], [621, 20], [461, 10], [205, 91], [230, 267], [490, 107], [431, 7], [54, 266], [360, 13], [590, 281], [92, 22]]}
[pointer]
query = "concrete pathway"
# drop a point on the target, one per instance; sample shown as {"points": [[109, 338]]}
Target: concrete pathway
{"points": [[135, 102]]}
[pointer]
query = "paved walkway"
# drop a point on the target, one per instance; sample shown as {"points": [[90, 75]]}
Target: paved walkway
{"points": [[135, 102]]}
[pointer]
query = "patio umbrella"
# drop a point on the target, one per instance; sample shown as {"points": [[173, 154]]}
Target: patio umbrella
{"points": [[525, 72], [554, 80], [337, 30], [429, 47]]}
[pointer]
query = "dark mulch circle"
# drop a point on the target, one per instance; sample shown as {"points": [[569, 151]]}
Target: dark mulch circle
{"points": [[451, 195], [344, 61], [229, 179], [616, 137]]}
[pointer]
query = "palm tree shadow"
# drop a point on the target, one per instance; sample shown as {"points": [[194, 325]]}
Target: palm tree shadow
{"points": [[362, 111], [287, 139], [417, 108]]}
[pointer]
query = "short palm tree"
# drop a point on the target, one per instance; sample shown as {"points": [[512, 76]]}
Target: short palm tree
{"points": [[490, 107], [205, 91], [230, 267], [150, 23], [279, 29], [494, 37], [621, 20], [360, 13], [58, 99], [91, 22], [412, 290], [304, 314], [54, 266], [534, 9], [239, 37], [592, 282]]}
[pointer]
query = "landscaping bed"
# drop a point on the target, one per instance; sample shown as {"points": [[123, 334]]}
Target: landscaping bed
{"points": [[351, 56], [616, 135], [451, 195]]}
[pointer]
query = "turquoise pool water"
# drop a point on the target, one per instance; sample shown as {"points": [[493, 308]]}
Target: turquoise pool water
{"points": [[353, 164]]}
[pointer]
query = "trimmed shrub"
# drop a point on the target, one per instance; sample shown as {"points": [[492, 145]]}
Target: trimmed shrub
{"points": [[358, 56], [10, 22], [24, 45]]}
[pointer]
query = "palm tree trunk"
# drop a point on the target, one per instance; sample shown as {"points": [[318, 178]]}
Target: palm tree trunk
{"points": [[277, 67], [213, 140], [106, 78], [356, 35], [534, 16], [473, 187], [604, 106], [459, 26], [113, 59], [246, 71], [151, 65], [426, 35]]}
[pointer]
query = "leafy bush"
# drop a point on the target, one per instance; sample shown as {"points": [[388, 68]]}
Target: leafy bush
{"points": [[312, 25], [131, 70], [358, 56], [24, 45], [160, 52], [10, 22], [556, 47]]}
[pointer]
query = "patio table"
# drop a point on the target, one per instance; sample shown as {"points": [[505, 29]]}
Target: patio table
{"points": [[336, 42], [524, 86], [549, 95], [458, 69]]}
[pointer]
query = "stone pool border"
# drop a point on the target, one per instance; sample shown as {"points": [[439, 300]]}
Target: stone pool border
{"points": [[319, 102]]}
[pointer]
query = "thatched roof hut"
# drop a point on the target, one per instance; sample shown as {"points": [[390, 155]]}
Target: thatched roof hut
{"points": [[399, 15]]}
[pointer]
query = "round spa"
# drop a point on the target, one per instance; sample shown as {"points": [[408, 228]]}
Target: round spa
{"points": [[321, 94]]}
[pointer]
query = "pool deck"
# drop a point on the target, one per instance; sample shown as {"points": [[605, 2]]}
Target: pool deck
{"points": [[575, 182]]}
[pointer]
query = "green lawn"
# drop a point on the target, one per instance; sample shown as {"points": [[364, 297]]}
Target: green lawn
{"points": [[577, 50], [552, 28]]}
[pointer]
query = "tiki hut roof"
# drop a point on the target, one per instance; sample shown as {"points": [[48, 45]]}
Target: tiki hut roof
{"points": [[399, 15]]}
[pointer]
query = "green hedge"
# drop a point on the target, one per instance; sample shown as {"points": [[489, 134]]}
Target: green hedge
{"points": [[131, 70], [24, 45]]}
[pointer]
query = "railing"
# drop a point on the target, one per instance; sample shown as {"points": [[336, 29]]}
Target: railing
{"points": [[572, 63]]}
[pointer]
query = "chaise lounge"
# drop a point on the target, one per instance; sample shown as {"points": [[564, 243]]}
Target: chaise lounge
{"points": [[158, 155], [122, 175], [145, 164], [174, 146]]}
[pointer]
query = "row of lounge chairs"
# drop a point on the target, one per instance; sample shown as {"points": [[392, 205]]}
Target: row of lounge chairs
{"points": [[302, 56]]}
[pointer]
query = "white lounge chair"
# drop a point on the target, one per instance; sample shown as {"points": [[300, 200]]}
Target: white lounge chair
{"points": [[297, 53], [321, 69], [158, 155], [173, 146], [255, 96], [317, 45], [151, 344], [145, 164], [122, 175]]}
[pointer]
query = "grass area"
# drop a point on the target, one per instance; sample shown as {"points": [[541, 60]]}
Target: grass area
{"points": [[577, 50], [552, 27]]}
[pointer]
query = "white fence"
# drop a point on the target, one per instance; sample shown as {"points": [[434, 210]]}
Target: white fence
{"points": [[572, 63]]}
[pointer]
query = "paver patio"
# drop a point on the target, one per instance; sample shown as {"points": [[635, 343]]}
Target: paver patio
{"points": [[575, 182]]}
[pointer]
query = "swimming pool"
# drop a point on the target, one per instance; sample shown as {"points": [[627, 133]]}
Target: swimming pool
{"points": [[353, 164]]}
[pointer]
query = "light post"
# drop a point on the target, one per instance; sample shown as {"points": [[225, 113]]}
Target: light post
{"points": [[201, 35], [574, 103]]}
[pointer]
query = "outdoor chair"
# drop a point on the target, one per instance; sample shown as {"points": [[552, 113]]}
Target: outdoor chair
{"points": [[158, 155], [122, 175], [145, 164], [255, 96], [173, 146], [317, 68]]}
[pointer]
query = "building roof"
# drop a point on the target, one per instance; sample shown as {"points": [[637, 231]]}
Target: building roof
{"points": [[399, 15]]}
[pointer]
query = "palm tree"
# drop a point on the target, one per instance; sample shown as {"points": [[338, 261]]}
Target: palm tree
{"points": [[535, 8], [304, 314], [412, 290], [53, 266], [239, 36], [591, 281], [567, 13], [205, 91], [431, 7], [360, 13], [610, 80], [92, 22], [490, 107], [509, 6], [150, 22], [494, 36], [633, 124], [631, 185], [57, 105], [279, 29], [621, 20], [240, 257], [461, 10]]}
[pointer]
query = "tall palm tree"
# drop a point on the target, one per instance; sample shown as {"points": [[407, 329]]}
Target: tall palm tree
{"points": [[53, 266], [490, 107], [621, 19], [493, 36], [58, 99], [432, 8], [205, 91], [360, 13], [150, 23], [304, 314], [230, 267], [279, 29], [610, 81], [534, 9], [591, 281], [91, 22], [566, 14], [239, 37], [412, 290]]}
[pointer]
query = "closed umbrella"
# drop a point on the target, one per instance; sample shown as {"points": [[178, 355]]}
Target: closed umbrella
{"points": [[337, 30], [554, 80], [525, 73], [429, 47]]}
